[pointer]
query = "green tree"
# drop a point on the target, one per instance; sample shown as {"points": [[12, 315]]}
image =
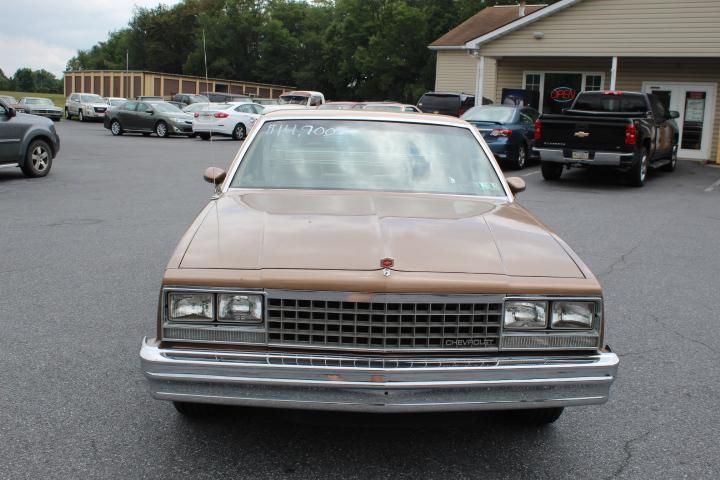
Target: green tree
{"points": [[23, 80]]}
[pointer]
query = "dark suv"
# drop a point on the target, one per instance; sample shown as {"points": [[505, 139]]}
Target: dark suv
{"points": [[27, 141], [189, 99], [221, 97], [448, 103]]}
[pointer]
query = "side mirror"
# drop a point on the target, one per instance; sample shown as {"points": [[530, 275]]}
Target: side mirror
{"points": [[11, 112], [516, 184], [674, 114], [214, 175]]}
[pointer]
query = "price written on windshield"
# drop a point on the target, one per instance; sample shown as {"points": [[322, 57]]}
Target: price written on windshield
{"points": [[297, 130]]}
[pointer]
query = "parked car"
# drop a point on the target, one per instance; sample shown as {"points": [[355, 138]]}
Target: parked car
{"points": [[188, 99], [160, 118], [341, 105], [302, 98], [196, 107], [448, 103], [228, 119], [27, 141], [43, 107], [414, 280], [265, 101], [509, 131], [115, 101], [12, 103], [390, 107], [630, 131], [179, 105], [85, 106], [221, 97]]}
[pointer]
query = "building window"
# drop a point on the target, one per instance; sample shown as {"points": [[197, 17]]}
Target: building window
{"points": [[532, 82], [593, 83]]}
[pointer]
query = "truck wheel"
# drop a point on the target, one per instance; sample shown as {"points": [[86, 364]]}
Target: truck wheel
{"points": [[670, 167], [638, 172], [551, 170], [536, 416], [38, 159], [519, 158], [81, 118], [194, 410]]}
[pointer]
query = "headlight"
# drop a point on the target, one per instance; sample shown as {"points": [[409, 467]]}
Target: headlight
{"points": [[191, 307], [525, 315], [572, 315], [240, 308]]}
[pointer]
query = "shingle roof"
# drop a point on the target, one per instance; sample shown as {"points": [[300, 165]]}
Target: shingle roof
{"points": [[485, 21]]}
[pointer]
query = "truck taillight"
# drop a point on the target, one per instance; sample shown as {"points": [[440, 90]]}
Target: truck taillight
{"points": [[221, 115], [631, 134], [538, 130]]}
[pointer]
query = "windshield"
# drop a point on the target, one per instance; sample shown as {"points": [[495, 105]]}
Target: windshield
{"points": [[9, 99], [367, 155], [195, 107], [293, 99], [489, 114], [199, 99], [38, 101], [115, 103], [165, 107], [91, 99]]}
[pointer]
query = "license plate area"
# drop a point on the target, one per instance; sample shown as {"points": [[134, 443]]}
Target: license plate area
{"points": [[580, 155]]}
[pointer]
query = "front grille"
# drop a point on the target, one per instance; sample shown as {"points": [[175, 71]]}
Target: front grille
{"points": [[100, 109], [399, 323]]}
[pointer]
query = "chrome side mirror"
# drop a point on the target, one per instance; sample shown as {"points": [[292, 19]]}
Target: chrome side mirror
{"points": [[516, 185]]}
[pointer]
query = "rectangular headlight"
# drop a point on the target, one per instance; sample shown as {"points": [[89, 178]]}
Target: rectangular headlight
{"points": [[191, 307], [243, 308], [525, 315], [572, 315]]}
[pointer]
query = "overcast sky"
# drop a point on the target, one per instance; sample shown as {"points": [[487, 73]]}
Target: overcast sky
{"points": [[47, 33]]}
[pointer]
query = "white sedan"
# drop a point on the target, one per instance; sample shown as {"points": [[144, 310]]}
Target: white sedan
{"points": [[227, 119]]}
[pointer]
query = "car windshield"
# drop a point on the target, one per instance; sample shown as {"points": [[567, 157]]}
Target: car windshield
{"points": [[195, 107], [367, 155], [9, 99], [293, 99], [91, 99], [115, 103], [199, 98], [38, 101], [489, 114], [165, 107]]}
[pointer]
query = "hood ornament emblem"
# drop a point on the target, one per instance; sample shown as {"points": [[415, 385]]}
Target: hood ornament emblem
{"points": [[386, 264], [582, 134]]}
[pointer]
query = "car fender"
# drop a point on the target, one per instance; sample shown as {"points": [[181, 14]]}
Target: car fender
{"points": [[38, 131]]}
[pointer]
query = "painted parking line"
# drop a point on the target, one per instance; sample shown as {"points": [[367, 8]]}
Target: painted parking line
{"points": [[713, 186], [530, 173]]}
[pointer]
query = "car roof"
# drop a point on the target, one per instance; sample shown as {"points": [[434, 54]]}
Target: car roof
{"points": [[365, 115]]}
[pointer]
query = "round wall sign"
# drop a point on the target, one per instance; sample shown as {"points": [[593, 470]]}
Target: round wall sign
{"points": [[563, 94]]}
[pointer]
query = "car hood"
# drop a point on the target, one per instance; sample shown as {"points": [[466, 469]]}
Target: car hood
{"points": [[354, 231], [96, 105]]}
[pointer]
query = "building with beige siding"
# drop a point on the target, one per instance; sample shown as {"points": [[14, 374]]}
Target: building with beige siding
{"points": [[134, 83], [667, 47]]}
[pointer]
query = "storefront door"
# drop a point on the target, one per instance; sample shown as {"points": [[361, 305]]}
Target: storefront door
{"points": [[696, 105], [560, 89]]}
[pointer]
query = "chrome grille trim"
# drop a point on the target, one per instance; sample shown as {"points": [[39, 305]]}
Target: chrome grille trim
{"points": [[383, 322]]}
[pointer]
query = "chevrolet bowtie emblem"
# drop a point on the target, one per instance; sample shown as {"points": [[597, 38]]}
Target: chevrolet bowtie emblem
{"points": [[582, 134]]}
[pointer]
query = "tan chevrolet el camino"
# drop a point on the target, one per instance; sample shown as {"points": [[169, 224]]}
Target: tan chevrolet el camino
{"points": [[375, 262]]}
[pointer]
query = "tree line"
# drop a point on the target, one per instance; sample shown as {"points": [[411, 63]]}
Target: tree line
{"points": [[28, 80], [348, 49]]}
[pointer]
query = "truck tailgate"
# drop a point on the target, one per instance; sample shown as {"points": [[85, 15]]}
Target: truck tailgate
{"points": [[591, 133]]}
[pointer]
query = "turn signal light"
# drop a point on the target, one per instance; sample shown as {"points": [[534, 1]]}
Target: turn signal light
{"points": [[631, 134], [538, 130], [221, 115]]}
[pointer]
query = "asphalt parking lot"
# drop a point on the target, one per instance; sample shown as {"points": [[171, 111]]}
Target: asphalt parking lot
{"points": [[83, 252]]}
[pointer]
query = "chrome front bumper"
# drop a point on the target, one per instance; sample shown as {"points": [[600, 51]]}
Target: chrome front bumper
{"points": [[376, 384]]}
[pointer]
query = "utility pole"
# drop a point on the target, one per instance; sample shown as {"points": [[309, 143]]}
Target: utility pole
{"points": [[127, 73]]}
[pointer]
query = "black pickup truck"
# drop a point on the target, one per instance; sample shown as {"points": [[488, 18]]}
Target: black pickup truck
{"points": [[627, 130]]}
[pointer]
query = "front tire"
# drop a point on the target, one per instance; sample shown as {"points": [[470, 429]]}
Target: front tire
{"points": [[194, 410], [670, 167], [67, 114], [637, 174], [161, 130], [81, 117], [536, 416], [115, 128], [239, 132], [38, 159], [551, 170]]}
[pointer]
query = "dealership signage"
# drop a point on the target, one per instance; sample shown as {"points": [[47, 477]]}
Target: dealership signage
{"points": [[563, 94]]}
